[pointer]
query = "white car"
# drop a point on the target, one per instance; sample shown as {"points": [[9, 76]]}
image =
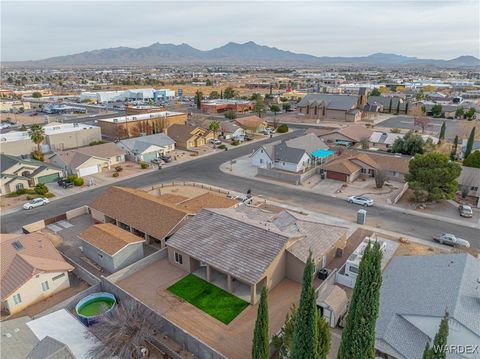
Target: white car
{"points": [[215, 142], [362, 200], [37, 202], [450, 240]]}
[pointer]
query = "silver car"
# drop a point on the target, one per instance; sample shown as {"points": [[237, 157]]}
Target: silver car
{"points": [[362, 200], [37, 202], [451, 240]]}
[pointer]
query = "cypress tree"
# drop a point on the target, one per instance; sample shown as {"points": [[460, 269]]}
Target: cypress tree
{"points": [[471, 138], [440, 341], [305, 335], [441, 137], [427, 352], [358, 337], [453, 155], [324, 340], [406, 108], [390, 106], [260, 347], [221, 93], [398, 106]]}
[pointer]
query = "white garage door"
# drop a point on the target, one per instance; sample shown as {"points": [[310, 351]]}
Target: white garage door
{"points": [[88, 170]]}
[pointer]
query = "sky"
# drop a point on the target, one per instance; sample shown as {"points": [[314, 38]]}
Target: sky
{"points": [[426, 28]]}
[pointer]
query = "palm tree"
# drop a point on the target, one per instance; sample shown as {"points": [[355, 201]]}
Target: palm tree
{"points": [[37, 134], [124, 332], [214, 127]]}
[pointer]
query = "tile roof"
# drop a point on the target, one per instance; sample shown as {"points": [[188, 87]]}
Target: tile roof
{"points": [[143, 211], [109, 238], [342, 165], [25, 255], [181, 133], [206, 200], [250, 122], [416, 287], [76, 157], [354, 132]]}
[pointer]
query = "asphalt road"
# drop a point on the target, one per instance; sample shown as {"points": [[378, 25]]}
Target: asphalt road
{"points": [[206, 170], [407, 122]]}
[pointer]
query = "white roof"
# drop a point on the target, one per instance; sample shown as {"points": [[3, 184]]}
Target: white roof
{"points": [[53, 129], [62, 326], [141, 117], [14, 136]]}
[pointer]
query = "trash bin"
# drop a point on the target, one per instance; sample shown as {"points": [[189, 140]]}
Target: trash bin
{"points": [[361, 216], [322, 274]]}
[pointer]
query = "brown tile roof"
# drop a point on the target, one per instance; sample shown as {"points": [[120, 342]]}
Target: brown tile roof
{"points": [[356, 132], [74, 158], [35, 254], [342, 165], [143, 211], [181, 133], [207, 200], [367, 159], [109, 238], [250, 122], [391, 162]]}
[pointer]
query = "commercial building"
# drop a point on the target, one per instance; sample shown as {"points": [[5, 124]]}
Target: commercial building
{"points": [[14, 106], [64, 136], [16, 143], [128, 95], [137, 125], [223, 105]]}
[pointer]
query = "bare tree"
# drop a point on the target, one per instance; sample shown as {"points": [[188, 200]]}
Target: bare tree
{"points": [[380, 178], [420, 120], [124, 332]]}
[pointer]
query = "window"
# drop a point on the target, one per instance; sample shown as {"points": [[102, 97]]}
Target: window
{"points": [[178, 258], [119, 158], [58, 276], [17, 299], [353, 269], [45, 286], [474, 188], [19, 186], [261, 160]]}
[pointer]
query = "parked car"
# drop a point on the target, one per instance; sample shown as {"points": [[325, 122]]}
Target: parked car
{"points": [[156, 161], [268, 131], [450, 240], [65, 183], [215, 142], [465, 211], [34, 114], [362, 200], [37, 202], [247, 199], [165, 158]]}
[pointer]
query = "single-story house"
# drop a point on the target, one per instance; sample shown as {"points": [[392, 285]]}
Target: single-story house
{"points": [[248, 248], [18, 173], [147, 216], [32, 270], [146, 148], [345, 136], [295, 155], [385, 140], [332, 302], [111, 247], [189, 137], [252, 123], [353, 164], [469, 181], [231, 131], [415, 293], [89, 160], [388, 104]]}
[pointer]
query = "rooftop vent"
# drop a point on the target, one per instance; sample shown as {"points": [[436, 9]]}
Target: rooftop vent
{"points": [[17, 245]]}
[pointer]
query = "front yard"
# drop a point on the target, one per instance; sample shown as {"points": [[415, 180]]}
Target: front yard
{"points": [[211, 299]]}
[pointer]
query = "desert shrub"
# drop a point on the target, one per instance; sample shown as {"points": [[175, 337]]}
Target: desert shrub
{"points": [[119, 168], [235, 142], [115, 174], [78, 181], [94, 143], [41, 189], [143, 165], [37, 155], [222, 147], [283, 128], [32, 196], [49, 195]]}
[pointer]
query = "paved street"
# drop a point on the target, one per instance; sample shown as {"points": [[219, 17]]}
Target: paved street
{"points": [[206, 170]]}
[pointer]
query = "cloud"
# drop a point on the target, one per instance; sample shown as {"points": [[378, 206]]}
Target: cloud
{"points": [[428, 29]]}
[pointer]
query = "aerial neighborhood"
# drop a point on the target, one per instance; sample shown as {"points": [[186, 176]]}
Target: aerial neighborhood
{"points": [[243, 201]]}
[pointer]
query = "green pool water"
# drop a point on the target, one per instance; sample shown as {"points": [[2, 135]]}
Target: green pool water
{"points": [[95, 307]]}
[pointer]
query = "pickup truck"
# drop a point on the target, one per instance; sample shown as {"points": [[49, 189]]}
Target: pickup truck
{"points": [[65, 183], [451, 240]]}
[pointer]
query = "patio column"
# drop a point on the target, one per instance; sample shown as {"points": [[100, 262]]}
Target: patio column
{"points": [[209, 273], [229, 283], [253, 293]]}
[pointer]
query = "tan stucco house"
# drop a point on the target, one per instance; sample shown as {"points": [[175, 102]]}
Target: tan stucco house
{"points": [[18, 173], [32, 270], [189, 137], [89, 160], [248, 248]]}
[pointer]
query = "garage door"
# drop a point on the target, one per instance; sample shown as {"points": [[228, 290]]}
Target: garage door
{"points": [[49, 178], [88, 170], [147, 157], [337, 176]]}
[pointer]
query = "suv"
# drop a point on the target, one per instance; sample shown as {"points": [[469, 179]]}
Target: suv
{"points": [[165, 158], [65, 183], [465, 211]]}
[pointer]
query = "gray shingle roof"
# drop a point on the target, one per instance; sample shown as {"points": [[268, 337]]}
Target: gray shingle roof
{"points": [[332, 102], [417, 287], [139, 144], [242, 249], [283, 153], [8, 161], [50, 348], [17, 338]]}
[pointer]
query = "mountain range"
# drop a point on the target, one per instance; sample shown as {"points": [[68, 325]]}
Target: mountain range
{"points": [[248, 53]]}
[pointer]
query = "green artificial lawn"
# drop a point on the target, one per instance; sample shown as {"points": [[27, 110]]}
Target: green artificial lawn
{"points": [[211, 299]]}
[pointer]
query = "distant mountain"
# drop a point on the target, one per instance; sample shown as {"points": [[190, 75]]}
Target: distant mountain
{"points": [[232, 53]]}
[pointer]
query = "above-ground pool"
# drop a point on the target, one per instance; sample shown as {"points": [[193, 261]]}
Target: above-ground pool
{"points": [[94, 305]]}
